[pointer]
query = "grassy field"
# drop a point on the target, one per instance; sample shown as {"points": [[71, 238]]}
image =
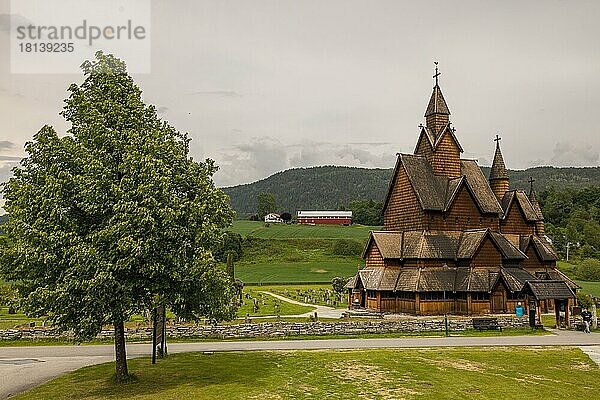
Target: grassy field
{"points": [[521, 373], [267, 305], [294, 272], [592, 288], [10, 321], [294, 231], [295, 260], [322, 295]]}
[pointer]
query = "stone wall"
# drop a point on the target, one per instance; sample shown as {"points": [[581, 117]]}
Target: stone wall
{"points": [[279, 329]]}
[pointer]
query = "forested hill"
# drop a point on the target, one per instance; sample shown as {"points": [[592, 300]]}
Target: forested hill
{"points": [[329, 187]]}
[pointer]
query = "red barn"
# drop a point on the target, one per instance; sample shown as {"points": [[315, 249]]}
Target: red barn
{"points": [[325, 217]]}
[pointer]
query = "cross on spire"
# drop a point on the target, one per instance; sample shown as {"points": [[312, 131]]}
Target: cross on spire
{"points": [[498, 139], [531, 180], [436, 73]]}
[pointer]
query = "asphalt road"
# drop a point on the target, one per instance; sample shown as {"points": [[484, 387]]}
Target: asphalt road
{"points": [[22, 368]]}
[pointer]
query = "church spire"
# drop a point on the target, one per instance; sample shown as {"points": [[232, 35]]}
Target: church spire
{"points": [[539, 224], [498, 174], [437, 114]]}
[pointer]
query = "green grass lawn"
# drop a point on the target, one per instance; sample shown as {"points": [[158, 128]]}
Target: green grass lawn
{"points": [[294, 231], [296, 272], [592, 288], [268, 305], [311, 294], [519, 373], [10, 321]]}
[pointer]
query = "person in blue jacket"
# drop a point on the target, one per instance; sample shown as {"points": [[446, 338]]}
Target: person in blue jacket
{"points": [[519, 310]]}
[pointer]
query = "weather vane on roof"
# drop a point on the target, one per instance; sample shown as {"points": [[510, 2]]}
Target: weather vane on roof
{"points": [[436, 73]]}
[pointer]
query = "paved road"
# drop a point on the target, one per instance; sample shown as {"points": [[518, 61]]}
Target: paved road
{"points": [[22, 368]]}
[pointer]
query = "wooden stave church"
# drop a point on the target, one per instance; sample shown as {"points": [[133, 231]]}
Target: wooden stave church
{"points": [[454, 242]]}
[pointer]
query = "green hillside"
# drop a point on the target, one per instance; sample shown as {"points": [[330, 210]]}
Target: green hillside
{"points": [[258, 229], [329, 187]]}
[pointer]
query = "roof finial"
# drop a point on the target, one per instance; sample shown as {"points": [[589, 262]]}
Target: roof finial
{"points": [[436, 73], [498, 139], [531, 180]]}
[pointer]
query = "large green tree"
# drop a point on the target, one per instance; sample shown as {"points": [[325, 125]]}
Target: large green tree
{"points": [[265, 204], [114, 217]]}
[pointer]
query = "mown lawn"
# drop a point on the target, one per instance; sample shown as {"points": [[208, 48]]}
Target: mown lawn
{"points": [[322, 295], [294, 231], [10, 321], [592, 288], [267, 305], [296, 272], [520, 373]]}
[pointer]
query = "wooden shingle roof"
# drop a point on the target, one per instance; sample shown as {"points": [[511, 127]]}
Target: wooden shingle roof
{"points": [[544, 290], [437, 193], [437, 103], [439, 245], [498, 170], [520, 198]]}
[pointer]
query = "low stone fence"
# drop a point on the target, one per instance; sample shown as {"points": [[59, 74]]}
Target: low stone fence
{"points": [[279, 329]]}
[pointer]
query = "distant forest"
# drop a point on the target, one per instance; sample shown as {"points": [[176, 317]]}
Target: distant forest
{"points": [[332, 188]]}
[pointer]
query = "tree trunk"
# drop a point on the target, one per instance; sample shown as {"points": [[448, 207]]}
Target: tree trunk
{"points": [[120, 354]]}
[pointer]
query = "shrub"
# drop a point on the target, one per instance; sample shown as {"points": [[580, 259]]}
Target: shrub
{"points": [[588, 270], [232, 243], [347, 247]]}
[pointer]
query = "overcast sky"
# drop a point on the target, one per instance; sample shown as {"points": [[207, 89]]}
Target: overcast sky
{"points": [[263, 86]]}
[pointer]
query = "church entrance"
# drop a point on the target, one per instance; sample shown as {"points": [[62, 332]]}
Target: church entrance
{"points": [[499, 300]]}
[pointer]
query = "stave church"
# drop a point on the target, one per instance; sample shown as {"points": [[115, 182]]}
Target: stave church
{"points": [[454, 241]]}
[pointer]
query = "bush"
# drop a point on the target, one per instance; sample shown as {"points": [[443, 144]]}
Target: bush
{"points": [[584, 300], [347, 247], [588, 270], [339, 284], [232, 243]]}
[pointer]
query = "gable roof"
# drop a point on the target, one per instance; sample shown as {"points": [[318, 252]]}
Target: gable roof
{"points": [[436, 192], [439, 245], [480, 186], [434, 140], [540, 245], [437, 103], [519, 197], [462, 279], [543, 290], [536, 205], [388, 243]]}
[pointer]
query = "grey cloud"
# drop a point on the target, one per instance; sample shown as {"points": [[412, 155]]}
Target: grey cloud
{"points": [[264, 156], [6, 145], [162, 110], [10, 158], [220, 93], [574, 154], [17, 19]]}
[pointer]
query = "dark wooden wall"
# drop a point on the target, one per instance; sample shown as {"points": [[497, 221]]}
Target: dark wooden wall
{"points": [[403, 211]]}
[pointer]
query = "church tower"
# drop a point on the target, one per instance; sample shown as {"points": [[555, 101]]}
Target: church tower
{"points": [[437, 115], [498, 174], [437, 141]]}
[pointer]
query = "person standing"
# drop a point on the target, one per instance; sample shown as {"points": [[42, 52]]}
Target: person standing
{"points": [[586, 315], [519, 310]]}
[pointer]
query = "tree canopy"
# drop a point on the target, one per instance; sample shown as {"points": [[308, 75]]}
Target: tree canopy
{"points": [[265, 204], [114, 217]]}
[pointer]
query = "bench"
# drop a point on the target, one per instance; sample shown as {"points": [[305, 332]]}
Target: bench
{"points": [[486, 324]]}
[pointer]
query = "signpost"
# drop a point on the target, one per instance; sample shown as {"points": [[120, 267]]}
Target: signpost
{"points": [[159, 331]]}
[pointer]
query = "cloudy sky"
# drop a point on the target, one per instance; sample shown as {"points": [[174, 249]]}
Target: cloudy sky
{"points": [[262, 86]]}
